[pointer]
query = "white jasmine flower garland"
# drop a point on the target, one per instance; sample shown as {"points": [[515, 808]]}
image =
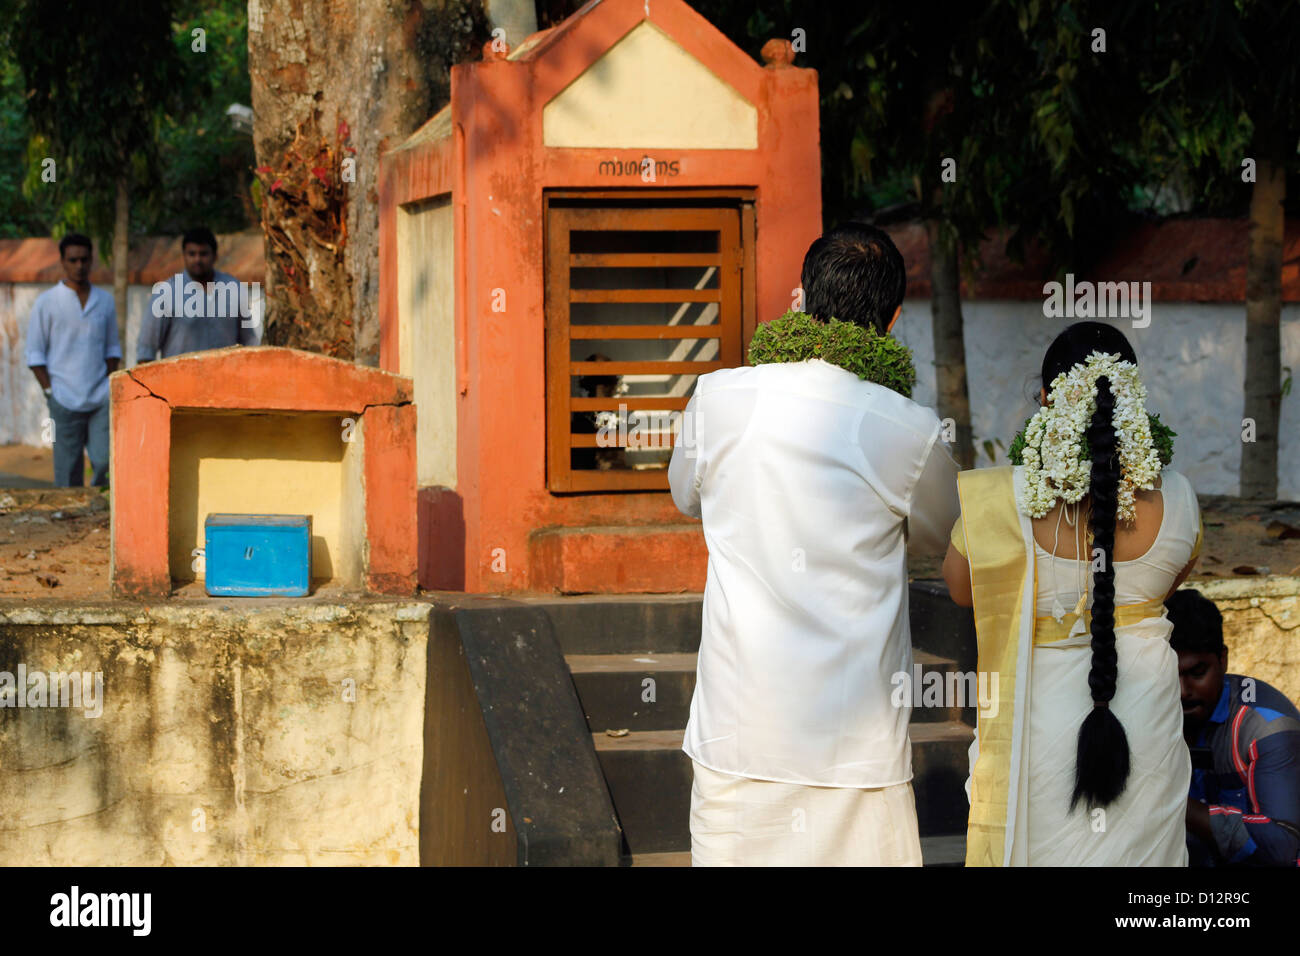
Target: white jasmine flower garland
{"points": [[1054, 437]]}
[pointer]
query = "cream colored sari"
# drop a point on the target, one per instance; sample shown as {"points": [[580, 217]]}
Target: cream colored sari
{"points": [[1023, 758]]}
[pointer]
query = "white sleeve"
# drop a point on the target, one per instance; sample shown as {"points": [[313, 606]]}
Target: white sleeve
{"points": [[686, 467], [935, 506]]}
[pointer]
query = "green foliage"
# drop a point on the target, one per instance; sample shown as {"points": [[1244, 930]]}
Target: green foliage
{"points": [[798, 337], [21, 214], [206, 178], [96, 84], [115, 89], [1162, 439]]}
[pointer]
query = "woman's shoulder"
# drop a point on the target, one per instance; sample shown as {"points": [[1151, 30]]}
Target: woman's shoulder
{"points": [[1171, 478], [1179, 496]]}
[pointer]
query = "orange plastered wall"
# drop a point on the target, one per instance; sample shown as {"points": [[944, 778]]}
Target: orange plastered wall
{"points": [[496, 169]]}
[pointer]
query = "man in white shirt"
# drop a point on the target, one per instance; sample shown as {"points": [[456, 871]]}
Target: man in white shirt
{"points": [[811, 483], [72, 347]]}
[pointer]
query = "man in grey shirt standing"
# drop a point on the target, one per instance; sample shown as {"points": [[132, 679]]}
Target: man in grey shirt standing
{"points": [[197, 309]]}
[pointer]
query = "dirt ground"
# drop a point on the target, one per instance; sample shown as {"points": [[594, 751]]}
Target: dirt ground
{"points": [[55, 542], [22, 466]]}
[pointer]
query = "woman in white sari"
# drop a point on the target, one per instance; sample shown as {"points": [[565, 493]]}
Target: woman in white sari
{"points": [[1082, 762]]}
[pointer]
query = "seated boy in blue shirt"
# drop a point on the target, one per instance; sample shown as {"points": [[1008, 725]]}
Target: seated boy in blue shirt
{"points": [[1244, 807]]}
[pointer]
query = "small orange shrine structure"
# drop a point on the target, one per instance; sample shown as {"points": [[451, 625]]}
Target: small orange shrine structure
{"points": [[602, 213], [262, 431]]}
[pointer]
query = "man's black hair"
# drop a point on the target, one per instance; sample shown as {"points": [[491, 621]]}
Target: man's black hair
{"points": [[854, 273], [1198, 625], [74, 239], [200, 236]]}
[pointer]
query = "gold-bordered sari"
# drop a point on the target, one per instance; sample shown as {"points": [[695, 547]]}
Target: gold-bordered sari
{"points": [[998, 542]]}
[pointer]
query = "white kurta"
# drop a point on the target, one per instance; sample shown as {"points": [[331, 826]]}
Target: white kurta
{"points": [[810, 482]]}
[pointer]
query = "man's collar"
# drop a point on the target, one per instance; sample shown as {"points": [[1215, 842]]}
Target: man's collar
{"points": [[1221, 711]]}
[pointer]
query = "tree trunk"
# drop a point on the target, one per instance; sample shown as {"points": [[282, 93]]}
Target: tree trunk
{"points": [[1263, 384], [333, 87], [121, 250], [951, 394]]}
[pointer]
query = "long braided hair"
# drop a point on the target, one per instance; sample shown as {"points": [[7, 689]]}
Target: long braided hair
{"points": [[1102, 762]]}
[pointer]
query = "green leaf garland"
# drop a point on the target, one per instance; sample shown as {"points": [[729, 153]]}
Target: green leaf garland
{"points": [[797, 337]]}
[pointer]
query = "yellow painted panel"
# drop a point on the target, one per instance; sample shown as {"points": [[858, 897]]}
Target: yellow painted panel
{"points": [[647, 92], [251, 463]]}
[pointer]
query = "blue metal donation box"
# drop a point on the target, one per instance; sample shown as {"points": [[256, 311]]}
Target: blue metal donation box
{"points": [[257, 555]]}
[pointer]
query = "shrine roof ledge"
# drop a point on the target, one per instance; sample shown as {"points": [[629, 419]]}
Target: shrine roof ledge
{"points": [[262, 378]]}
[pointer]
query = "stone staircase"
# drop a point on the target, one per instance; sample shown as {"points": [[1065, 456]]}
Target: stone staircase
{"points": [[632, 661]]}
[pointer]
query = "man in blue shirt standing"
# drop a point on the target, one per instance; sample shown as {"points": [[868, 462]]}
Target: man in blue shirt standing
{"points": [[1244, 806], [197, 309], [72, 347]]}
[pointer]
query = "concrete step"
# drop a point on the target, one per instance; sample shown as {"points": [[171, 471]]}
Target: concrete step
{"points": [[939, 625], [649, 779], [674, 858], [947, 850], [623, 623], [940, 765], [670, 623], [615, 689]]}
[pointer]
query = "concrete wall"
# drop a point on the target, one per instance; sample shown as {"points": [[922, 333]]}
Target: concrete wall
{"points": [[225, 737], [1192, 358], [1260, 618]]}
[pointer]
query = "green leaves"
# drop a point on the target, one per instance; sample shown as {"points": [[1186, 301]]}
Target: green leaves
{"points": [[116, 90], [798, 337]]}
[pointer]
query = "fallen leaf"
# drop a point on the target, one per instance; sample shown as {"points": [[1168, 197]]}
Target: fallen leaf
{"points": [[617, 733], [48, 580], [1244, 569], [1282, 530], [1210, 557]]}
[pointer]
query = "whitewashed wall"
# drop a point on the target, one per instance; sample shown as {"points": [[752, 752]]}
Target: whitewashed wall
{"points": [[1192, 358], [22, 406]]}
